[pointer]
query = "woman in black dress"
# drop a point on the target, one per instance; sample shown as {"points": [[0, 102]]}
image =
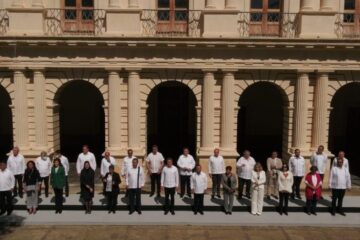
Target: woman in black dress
{"points": [[31, 185], [87, 178]]}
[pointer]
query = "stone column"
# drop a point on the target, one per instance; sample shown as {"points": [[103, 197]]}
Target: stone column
{"points": [[114, 110], [230, 4], [134, 109], [40, 110], [319, 129], [21, 110], [328, 5], [133, 3], [38, 3], [210, 4], [227, 111], [207, 113], [306, 5], [301, 110]]}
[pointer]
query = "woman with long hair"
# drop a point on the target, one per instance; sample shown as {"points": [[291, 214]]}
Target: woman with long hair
{"points": [[31, 183], [258, 180], [57, 180], [87, 182], [286, 181]]}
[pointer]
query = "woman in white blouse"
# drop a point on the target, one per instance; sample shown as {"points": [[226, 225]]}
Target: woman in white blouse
{"points": [[258, 180], [286, 180]]}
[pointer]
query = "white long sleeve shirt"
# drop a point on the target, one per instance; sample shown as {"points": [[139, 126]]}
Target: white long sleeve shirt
{"points": [[186, 162], [105, 164], [245, 167], [65, 162], [198, 182], [170, 177], [216, 165], [43, 166], [285, 181], [339, 178], [297, 166], [16, 164], [259, 179], [156, 161], [82, 158], [135, 178], [320, 161], [126, 164], [345, 164], [7, 180]]}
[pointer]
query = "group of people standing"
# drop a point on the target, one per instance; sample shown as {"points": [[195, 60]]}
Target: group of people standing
{"points": [[281, 180]]}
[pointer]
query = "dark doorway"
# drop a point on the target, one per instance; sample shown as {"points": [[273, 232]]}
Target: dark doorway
{"points": [[171, 119], [6, 127], [344, 129], [82, 119], [260, 121]]}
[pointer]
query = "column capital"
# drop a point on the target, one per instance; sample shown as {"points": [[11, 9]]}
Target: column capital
{"points": [[325, 71], [229, 70], [133, 69], [207, 70], [113, 69], [17, 69], [305, 70], [37, 69]]}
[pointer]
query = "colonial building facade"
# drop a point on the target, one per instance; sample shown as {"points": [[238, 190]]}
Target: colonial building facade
{"points": [[235, 74]]}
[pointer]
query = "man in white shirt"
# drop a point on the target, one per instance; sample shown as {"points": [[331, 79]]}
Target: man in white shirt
{"points": [[85, 156], [170, 183], [341, 155], [186, 164], [274, 165], [297, 168], [16, 164], [43, 165], [106, 162], [198, 187], [7, 184], [65, 163], [216, 170], [339, 181], [135, 180], [126, 164], [154, 163], [245, 166], [319, 159]]}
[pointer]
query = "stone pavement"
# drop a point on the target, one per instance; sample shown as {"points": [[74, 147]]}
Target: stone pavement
{"points": [[177, 233], [153, 214]]}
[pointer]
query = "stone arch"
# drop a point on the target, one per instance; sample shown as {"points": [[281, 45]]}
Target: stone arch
{"points": [[6, 123]]}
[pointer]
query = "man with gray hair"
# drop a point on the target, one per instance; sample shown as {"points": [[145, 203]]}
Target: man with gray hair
{"points": [[43, 164]]}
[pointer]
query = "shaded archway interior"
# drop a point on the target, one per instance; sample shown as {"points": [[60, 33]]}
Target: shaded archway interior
{"points": [[82, 119], [344, 127], [6, 128], [260, 121], [171, 119]]}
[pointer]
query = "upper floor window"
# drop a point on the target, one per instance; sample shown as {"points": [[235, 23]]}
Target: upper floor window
{"points": [[351, 17], [78, 15], [265, 16], [172, 16]]}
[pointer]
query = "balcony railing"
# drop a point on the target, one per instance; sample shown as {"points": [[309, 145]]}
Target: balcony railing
{"points": [[88, 22], [273, 24], [4, 21], [171, 23], [347, 25]]}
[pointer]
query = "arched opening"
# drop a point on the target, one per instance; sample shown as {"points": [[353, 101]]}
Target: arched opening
{"points": [[6, 127], [344, 129], [171, 119], [261, 121], [82, 119]]}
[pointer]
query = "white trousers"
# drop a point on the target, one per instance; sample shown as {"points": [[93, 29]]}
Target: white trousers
{"points": [[257, 200]]}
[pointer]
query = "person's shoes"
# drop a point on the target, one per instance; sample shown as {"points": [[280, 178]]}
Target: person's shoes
{"points": [[8, 213], [109, 212], [139, 212], [21, 196], [342, 213], [158, 195], [60, 211], [212, 196], [201, 212], [195, 213], [248, 196], [113, 211], [181, 195], [314, 213], [280, 212], [226, 213], [131, 212], [292, 197], [268, 197], [321, 198], [56, 211], [218, 195], [230, 213], [189, 195], [276, 197], [172, 213], [308, 213], [286, 213], [298, 197], [166, 212], [151, 194], [239, 197]]}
